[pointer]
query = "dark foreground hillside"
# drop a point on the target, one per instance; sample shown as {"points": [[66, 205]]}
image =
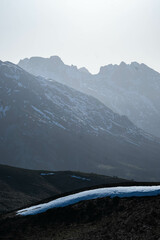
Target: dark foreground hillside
{"points": [[104, 219], [20, 187]]}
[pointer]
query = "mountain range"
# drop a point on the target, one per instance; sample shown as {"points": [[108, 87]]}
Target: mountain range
{"points": [[128, 89], [48, 125]]}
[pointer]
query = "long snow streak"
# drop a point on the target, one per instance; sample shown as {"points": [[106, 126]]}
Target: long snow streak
{"points": [[135, 191]]}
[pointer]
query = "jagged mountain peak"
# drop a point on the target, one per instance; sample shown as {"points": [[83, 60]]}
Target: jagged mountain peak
{"points": [[84, 70], [52, 60], [122, 67], [56, 59], [122, 64], [34, 64]]}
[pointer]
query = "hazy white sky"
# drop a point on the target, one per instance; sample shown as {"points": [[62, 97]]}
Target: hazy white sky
{"points": [[89, 33]]}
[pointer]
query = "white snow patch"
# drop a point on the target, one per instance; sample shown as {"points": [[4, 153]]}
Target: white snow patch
{"points": [[8, 91], [13, 76], [20, 84], [47, 174], [81, 178], [130, 141], [40, 112], [49, 113], [3, 110], [134, 191], [48, 118], [58, 124]]}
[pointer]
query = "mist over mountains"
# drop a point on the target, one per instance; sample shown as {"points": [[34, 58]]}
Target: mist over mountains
{"points": [[48, 125], [128, 89]]}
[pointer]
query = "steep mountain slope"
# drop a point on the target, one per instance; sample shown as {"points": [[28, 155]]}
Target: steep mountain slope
{"points": [[131, 90], [47, 125], [20, 187]]}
